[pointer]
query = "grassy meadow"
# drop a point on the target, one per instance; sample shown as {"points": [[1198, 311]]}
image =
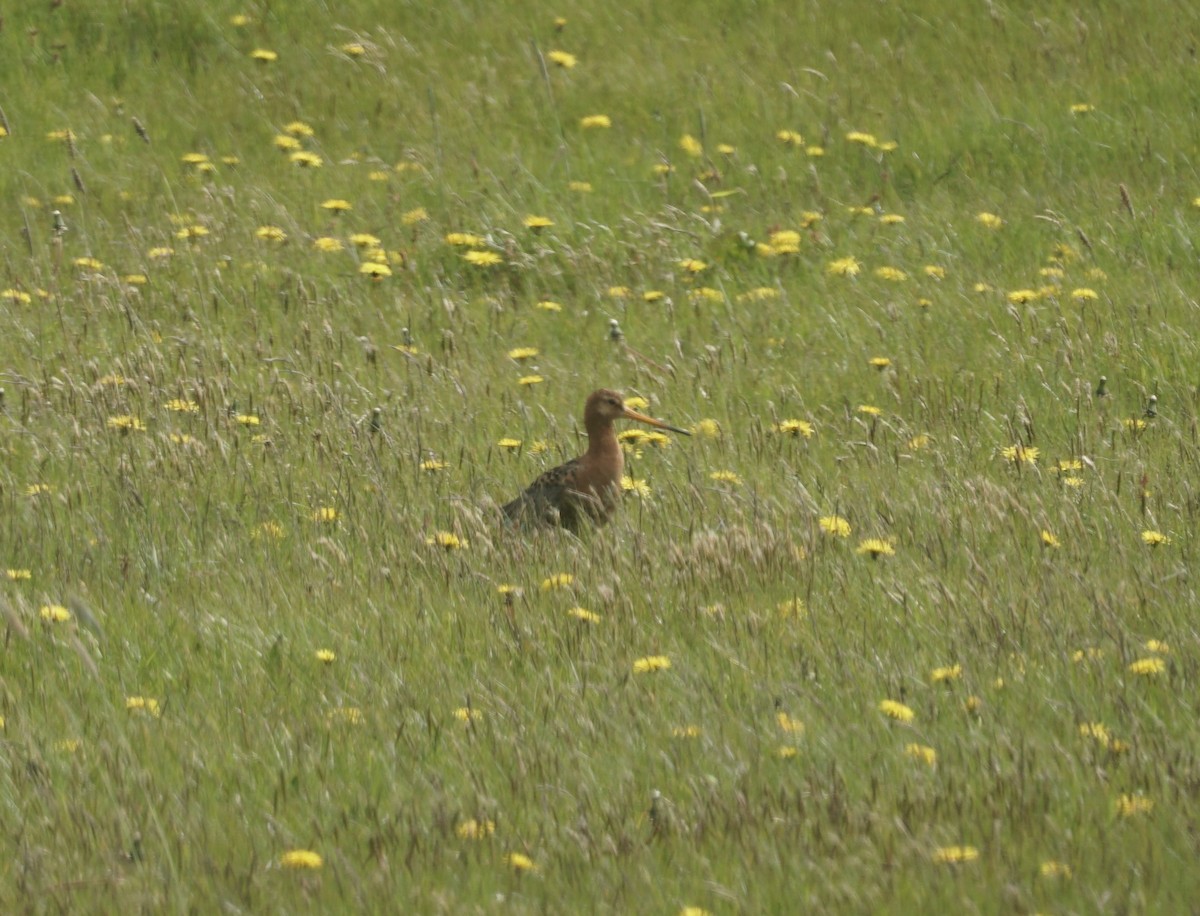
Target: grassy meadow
{"points": [[294, 295]]}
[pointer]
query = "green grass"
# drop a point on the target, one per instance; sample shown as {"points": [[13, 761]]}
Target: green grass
{"points": [[191, 554]]}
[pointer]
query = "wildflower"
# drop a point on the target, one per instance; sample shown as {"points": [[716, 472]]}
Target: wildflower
{"points": [[1083, 294], [286, 143], [483, 258], [520, 862], [581, 613], [863, 139], [179, 405], [636, 486], [875, 548], [595, 121], [1158, 647], [793, 607], [547, 305], [1135, 425], [880, 362], [619, 292], [272, 530], [934, 272], [1022, 296], [327, 244], [559, 580], [707, 428], [562, 59], [509, 443], [651, 663], [527, 380], [301, 858], [1019, 454], [693, 265], [989, 220], [432, 464], [691, 146], [1049, 540], [868, 410], [1148, 667], [537, 223], [918, 442], [374, 270], [897, 711], [325, 514], [786, 752], [891, 274], [306, 160], [955, 855], [835, 525], [160, 252], [946, 675], [16, 295], [794, 428], [1154, 538], [924, 753], [351, 715], [653, 295], [414, 216], [686, 731], [337, 205], [248, 419], [891, 219], [789, 138], [758, 294], [472, 829], [55, 613], [505, 588], [972, 704], [467, 714], [354, 49], [446, 540], [844, 267], [270, 234], [148, 705], [788, 724], [1130, 805], [522, 353], [725, 477], [580, 187], [1052, 869], [18, 575], [88, 263], [262, 55], [126, 423], [1082, 108]]}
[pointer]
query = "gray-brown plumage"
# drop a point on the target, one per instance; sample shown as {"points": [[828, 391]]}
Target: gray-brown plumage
{"points": [[587, 487]]}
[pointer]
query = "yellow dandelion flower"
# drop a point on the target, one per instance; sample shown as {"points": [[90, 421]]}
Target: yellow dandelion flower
{"points": [[520, 862], [1054, 869], [891, 274], [989, 220], [653, 295], [272, 530], [868, 410], [270, 234], [522, 353], [788, 724], [1158, 647], [351, 715], [794, 428], [946, 674], [1020, 454], [536, 223], [472, 829], [374, 270], [447, 541], [286, 143], [636, 486], [921, 752], [546, 305], [527, 380], [1049, 540], [582, 613], [580, 187], [325, 514], [433, 465], [483, 258], [880, 362], [16, 295], [1082, 108], [890, 219], [895, 710], [793, 608], [687, 731], [327, 244], [248, 419], [789, 138], [725, 477], [934, 272], [301, 858], [693, 265], [596, 121], [88, 263], [786, 752], [1132, 805], [180, 405], [18, 575], [691, 146], [55, 613], [651, 663], [707, 428], [306, 160], [126, 423], [562, 59], [955, 855], [557, 581], [148, 705], [834, 525], [337, 205], [1154, 538], [862, 139], [1148, 667], [844, 267], [263, 55], [466, 714]]}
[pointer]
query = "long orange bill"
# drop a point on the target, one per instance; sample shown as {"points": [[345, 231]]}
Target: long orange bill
{"points": [[642, 418]]}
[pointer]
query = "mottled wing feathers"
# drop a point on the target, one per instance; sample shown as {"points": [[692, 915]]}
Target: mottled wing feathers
{"points": [[548, 500]]}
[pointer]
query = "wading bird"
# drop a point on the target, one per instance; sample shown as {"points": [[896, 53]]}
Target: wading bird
{"points": [[587, 487]]}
